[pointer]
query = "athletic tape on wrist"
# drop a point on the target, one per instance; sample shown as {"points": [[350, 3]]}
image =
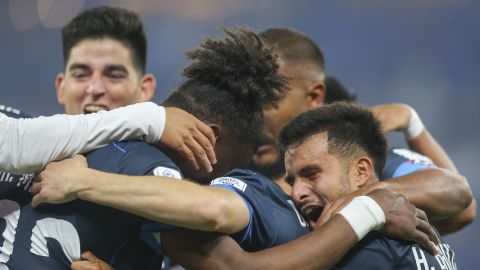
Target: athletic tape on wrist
{"points": [[415, 125], [364, 215], [163, 121]]}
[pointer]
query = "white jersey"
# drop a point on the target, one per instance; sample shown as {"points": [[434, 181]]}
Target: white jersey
{"points": [[27, 145]]}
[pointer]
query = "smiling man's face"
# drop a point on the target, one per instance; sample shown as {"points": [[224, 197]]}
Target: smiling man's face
{"points": [[100, 75], [317, 176]]}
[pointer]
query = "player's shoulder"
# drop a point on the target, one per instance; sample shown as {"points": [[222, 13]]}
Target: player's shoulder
{"points": [[402, 161], [12, 112], [242, 179], [134, 158], [407, 154]]}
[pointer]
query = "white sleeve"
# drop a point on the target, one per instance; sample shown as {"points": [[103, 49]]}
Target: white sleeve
{"points": [[27, 145]]}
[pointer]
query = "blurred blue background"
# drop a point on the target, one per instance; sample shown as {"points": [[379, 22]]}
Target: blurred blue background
{"points": [[424, 53]]}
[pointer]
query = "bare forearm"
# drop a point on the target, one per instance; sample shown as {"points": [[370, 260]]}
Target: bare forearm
{"points": [[439, 192], [320, 249], [426, 145], [162, 199]]}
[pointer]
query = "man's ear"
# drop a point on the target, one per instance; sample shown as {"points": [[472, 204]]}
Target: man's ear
{"points": [[216, 130], [148, 84], [316, 95], [59, 86], [363, 167]]}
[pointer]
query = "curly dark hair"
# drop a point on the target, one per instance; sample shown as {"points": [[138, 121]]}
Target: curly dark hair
{"points": [[229, 83], [352, 130], [100, 22]]}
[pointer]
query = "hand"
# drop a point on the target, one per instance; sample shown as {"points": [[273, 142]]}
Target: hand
{"points": [[332, 209], [392, 117], [52, 185], [189, 137], [336, 206], [90, 262], [405, 221]]}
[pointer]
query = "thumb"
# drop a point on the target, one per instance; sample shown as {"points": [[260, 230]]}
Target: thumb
{"points": [[37, 200]]}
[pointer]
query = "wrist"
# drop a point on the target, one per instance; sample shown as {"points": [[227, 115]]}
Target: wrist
{"points": [[83, 181], [364, 215], [415, 125]]}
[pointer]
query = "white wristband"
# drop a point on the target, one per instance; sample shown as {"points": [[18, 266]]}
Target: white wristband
{"points": [[415, 125], [364, 215], [162, 123]]}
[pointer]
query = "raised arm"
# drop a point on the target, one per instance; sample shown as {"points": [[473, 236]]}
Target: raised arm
{"points": [[440, 193], [27, 145], [403, 118]]}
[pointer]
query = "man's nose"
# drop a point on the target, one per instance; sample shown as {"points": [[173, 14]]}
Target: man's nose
{"points": [[96, 86], [300, 191]]}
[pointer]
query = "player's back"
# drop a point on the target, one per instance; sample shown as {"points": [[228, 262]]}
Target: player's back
{"points": [[51, 236]]}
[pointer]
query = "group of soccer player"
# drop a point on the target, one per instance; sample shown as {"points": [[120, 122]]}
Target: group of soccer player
{"points": [[258, 160]]}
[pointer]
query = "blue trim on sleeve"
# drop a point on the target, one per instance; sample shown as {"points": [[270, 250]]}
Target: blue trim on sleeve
{"points": [[248, 231], [409, 167]]}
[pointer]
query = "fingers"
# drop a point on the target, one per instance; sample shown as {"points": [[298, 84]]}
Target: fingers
{"points": [[35, 190], [332, 209], [424, 226], [201, 147], [87, 255], [207, 132], [37, 200], [325, 216], [187, 153], [90, 262], [423, 240], [186, 131], [84, 265]]}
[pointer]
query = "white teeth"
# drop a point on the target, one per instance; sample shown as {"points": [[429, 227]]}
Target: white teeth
{"points": [[94, 108]]}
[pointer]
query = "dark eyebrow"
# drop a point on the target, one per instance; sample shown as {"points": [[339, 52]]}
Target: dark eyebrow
{"points": [[78, 66], [309, 169], [111, 68]]}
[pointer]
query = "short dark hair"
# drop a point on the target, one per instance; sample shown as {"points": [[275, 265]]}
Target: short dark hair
{"points": [[229, 83], [352, 130], [107, 22], [294, 47], [336, 91]]}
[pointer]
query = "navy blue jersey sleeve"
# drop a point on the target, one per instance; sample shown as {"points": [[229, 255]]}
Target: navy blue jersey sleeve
{"points": [[274, 219], [404, 161]]}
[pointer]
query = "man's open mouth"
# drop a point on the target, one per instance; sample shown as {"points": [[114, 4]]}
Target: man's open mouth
{"points": [[94, 108], [312, 213]]}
